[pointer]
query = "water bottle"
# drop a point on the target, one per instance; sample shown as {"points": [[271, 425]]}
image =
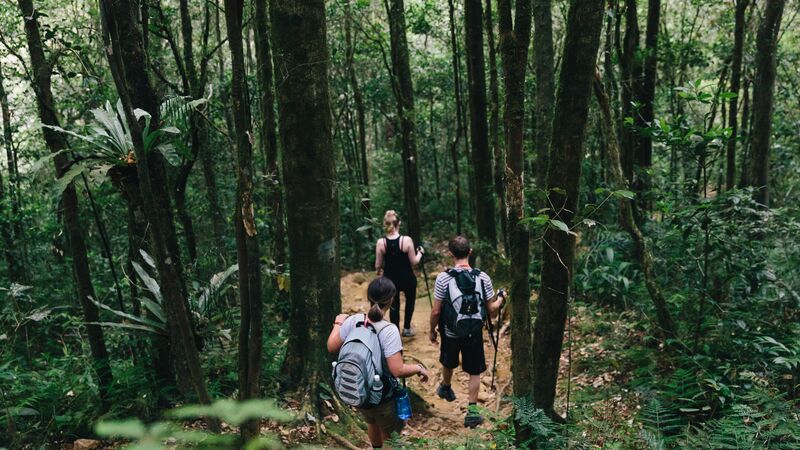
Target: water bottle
{"points": [[403, 404], [377, 384]]}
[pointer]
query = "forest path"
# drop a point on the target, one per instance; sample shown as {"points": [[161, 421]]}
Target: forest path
{"points": [[437, 418]]}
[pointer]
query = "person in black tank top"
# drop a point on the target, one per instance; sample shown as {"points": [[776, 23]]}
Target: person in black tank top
{"points": [[395, 257]]}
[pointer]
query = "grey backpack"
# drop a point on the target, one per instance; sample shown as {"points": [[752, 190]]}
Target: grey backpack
{"points": [[360, 375], [464, 309]]}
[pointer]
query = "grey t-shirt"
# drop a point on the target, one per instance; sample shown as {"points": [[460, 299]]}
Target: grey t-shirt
{"points": [[389, 337], [443, 280]]}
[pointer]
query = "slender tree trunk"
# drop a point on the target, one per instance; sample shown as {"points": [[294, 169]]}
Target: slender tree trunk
{"points": [[56, 142], [10, 229], [494, 127], [544, 63], [736, 74], [123, 45], [313, 214], [459, 114], [404, 95], [514, 40], [269, 139], [746, 114], [643, 252], [630, 73], [584, 22], [763, 93], [479, 130], [644, 158], [247, 245]]}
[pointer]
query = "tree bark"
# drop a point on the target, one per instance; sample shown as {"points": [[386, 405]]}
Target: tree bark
{"points": [[269, 138], [514, 40], [544, 63], [56, 142], [459, 114], [643, 253], [494, 128], [736, 75], [763, 92], [630, 72], [10, 229], [478, 127], [247, 245], [644, 159], [404, 96], [584, 23], [126, 56], [313, 214]]}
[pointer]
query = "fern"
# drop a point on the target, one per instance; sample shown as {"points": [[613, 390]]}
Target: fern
{"points": [[544, 432]]}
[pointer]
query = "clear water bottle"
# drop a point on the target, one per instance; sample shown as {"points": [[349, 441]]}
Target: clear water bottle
{"points": [[403, 404], [377, 384]]}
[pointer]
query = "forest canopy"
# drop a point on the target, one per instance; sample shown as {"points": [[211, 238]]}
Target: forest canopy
{"points": [[194, 196]]}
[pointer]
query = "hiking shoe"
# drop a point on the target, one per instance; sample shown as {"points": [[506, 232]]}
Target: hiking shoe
{"points": [[409, 332], [446, 392], [473, 417]]}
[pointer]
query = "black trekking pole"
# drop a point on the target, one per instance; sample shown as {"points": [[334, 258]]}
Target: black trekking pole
{"points": [[425, 275], [496, 339]]}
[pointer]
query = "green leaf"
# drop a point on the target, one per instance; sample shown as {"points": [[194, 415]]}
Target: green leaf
{"points": [[559, 225], [624, 194], [128, 429], [61, 184], [149, 282], [234, 412], [170, 154]]}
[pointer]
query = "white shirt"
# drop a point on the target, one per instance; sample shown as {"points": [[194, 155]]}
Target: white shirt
{"points": [[391, 343]]}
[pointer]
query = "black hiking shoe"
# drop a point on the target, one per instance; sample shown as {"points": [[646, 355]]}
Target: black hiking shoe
{"points": [[446, 392], [473, 417]]}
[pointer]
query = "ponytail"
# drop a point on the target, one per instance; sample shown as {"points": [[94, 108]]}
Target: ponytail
{"points": [[380, 293]]}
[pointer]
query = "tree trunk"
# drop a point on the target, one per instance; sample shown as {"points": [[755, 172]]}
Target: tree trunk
{"points": [[11, 229], [478, 127], [644, 158], [630, 72], [313, 214], [123, 45], [544, 63], [269, 139], [56, 142], [514, 40], [643, 252], [247, 246], [358, 98], [584, 23], [736, 74], [746, 114], [494, 128], [763, 92], [404, 95], [459, 114]]}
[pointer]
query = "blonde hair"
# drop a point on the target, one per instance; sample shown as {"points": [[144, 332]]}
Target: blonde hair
{"points": [[391, 221]]}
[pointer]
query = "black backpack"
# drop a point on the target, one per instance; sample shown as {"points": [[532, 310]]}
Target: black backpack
{"points": [[464, 308]]}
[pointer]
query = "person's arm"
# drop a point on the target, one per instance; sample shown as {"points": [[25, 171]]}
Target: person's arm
{"points": [[414, 257], [401, 370], [335, 338], [379, 257], [436, 312], [495, 304]]}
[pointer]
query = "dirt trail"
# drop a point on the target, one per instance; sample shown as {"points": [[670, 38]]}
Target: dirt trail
{"points": [[441, 419]]}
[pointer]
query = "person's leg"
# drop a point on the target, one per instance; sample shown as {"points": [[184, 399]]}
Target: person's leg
{"points": [[474, 387], [447, 376], [394, 311], [411, 298], [375, 434]]}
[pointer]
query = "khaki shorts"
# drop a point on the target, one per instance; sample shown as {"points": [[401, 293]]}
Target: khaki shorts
{"points": [[385, 416]]}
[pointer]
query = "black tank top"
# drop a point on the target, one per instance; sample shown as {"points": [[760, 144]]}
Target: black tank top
{"points": [[396, 265]]}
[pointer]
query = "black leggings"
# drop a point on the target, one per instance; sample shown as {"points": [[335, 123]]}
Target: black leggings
{"points": [[410, 290]]}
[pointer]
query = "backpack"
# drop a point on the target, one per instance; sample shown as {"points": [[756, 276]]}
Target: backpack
{"points": [[360, 361], [465, 306]]}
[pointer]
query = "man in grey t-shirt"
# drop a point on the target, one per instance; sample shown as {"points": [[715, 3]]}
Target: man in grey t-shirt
{"points": [[471, 348]]}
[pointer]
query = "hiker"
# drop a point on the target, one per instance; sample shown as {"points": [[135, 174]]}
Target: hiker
{"points": [[462, 299], [394, 258], [384, 364]]}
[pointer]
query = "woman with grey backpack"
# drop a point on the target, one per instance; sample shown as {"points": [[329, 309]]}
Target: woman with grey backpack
{"points": [[370, 362]]}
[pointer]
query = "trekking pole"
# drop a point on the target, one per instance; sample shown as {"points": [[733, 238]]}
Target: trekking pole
{"points": [[425, 275], [496, 339]]}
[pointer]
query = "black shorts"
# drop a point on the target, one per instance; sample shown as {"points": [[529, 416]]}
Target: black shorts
{"points": [[473, 360]]}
